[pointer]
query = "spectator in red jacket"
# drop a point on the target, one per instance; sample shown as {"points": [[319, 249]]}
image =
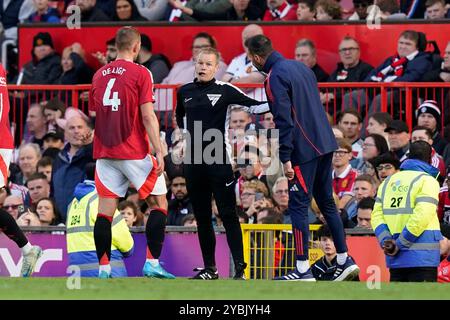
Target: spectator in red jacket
{"points": [[280, 10]]}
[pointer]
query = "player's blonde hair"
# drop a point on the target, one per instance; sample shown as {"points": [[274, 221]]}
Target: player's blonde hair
{"points": [[212, 51], [126, 37]]}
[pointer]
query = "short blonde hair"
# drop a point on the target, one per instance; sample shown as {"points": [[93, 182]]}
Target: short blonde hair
{"points": [[212, 51], [126, 37], [257, 185]]}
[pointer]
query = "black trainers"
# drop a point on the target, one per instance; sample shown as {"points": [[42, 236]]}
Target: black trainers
{"points": [[206, 274], [240, 271]]}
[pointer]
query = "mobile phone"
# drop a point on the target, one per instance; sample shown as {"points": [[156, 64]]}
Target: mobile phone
{"points": [[259, 196], [21, 209]]}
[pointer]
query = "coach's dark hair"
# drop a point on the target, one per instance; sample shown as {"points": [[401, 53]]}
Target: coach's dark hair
{"points": [[126, 37], [420, 150], [259, 45]]}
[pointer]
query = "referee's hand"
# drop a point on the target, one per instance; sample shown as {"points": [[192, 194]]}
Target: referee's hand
{"points": [[160, 167]]}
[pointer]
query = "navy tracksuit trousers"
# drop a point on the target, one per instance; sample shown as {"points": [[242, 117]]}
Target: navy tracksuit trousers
{"points": [[313, 179]]}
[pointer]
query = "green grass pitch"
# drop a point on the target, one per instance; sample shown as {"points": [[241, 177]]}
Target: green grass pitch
{"points": [[184, 289]]}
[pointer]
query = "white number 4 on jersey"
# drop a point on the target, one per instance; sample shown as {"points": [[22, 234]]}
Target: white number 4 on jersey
{"points": [[115, 101]]}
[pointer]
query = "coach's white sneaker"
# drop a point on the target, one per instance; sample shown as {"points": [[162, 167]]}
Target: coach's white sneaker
{"points": [[29, 261]]}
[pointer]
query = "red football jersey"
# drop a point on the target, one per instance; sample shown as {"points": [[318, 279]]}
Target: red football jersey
{"points": [[118, 90], [344, 183], [6, 141]]}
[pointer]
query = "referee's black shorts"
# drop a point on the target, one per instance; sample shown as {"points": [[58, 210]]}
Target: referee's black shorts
{"points": [[203, 180]]}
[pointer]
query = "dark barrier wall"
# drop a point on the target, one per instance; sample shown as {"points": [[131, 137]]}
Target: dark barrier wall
{"points": [[175, 40]]}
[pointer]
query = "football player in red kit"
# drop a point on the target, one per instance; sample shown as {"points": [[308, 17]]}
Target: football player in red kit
{"points": [[7, 223], [122, 99]]}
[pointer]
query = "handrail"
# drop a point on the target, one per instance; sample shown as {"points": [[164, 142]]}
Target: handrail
{"points": [[244, 227], [378, 97], [250, 85]]}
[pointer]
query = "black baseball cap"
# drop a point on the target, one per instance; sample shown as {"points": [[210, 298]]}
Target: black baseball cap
{"points": [[398, 126], [56, 135]]}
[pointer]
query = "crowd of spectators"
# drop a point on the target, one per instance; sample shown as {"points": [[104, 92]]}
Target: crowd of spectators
{"points": [[57, 141], [57, 11]]}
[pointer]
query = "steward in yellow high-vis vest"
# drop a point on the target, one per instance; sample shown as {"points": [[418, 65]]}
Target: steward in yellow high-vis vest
{"points": [[81, 215], [405, 220]]}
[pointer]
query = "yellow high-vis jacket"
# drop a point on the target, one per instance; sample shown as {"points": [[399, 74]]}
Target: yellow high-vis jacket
{"points": [[81, 216], [406, 210]]}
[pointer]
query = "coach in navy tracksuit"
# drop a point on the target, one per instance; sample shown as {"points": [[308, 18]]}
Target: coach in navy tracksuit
{"points": [[307, 144]]}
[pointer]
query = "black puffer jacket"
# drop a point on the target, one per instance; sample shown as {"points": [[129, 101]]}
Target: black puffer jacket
{"points": [[45, 71]]}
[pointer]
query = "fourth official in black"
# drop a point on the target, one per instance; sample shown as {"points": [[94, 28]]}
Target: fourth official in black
{"points": [[207, 103]]}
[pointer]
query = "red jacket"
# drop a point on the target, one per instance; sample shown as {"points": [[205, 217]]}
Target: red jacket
{"points": [[285, 12]]}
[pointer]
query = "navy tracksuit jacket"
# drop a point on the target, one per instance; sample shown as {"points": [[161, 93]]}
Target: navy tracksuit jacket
{"points": [[306, 139]]}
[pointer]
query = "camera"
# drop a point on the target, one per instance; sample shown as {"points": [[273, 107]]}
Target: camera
{"points": [[21, 209]]}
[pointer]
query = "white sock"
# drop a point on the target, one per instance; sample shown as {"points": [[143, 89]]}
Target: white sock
{"points": [[341, 258], [26, 249], [153, 262], [302, 266], [105, 267]]}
